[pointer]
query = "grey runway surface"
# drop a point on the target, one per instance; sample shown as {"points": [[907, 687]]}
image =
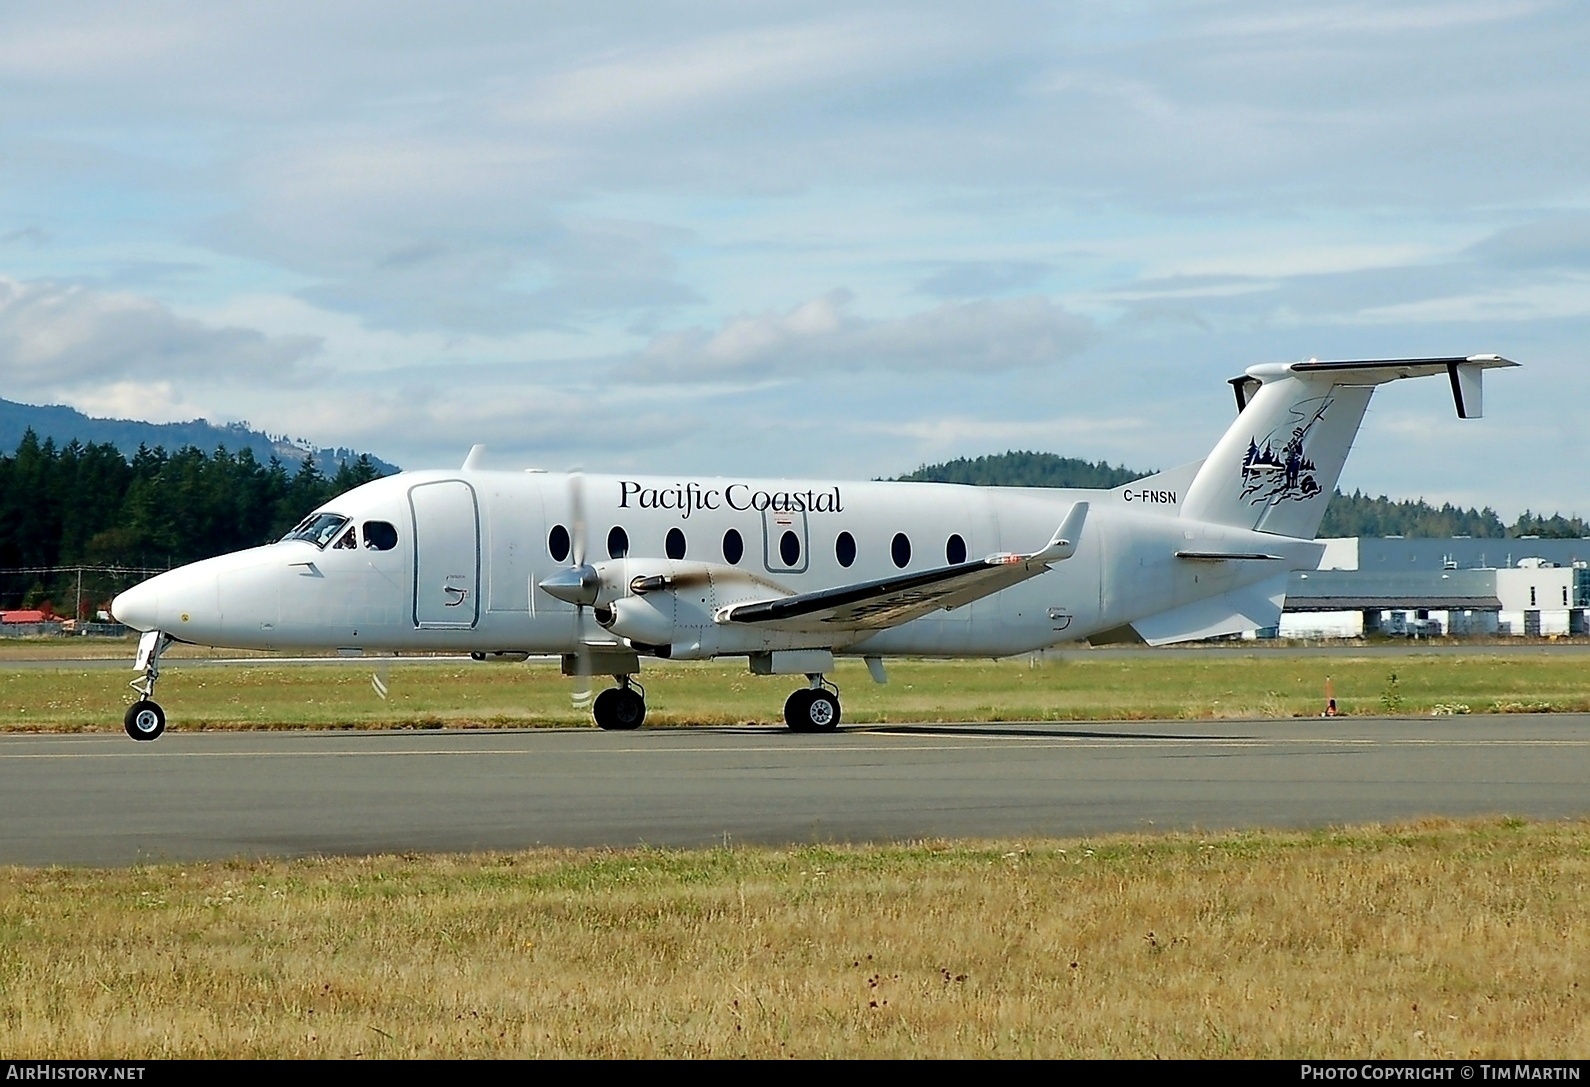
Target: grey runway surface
{"points": [[106, 800]]}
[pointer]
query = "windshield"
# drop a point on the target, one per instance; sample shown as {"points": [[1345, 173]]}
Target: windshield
{"points": [[318, 528]]}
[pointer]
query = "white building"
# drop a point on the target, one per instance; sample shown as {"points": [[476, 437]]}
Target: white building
{"points": [[1433, 587], [1537, 599]]}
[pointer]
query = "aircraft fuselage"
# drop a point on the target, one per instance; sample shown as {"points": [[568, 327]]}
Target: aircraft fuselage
{"points": [[471, 547]]}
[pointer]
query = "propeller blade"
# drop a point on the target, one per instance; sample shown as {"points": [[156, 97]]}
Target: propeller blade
{"points": [[380, 681], [580, 694], [578, 585], [577, 526]]}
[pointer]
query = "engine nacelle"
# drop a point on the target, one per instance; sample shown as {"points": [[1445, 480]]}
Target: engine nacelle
{"points": [[640, 619], [667, 607]]}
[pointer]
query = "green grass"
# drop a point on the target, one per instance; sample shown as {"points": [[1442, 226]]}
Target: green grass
{"points": [[1430, 940], [1166, 685]]}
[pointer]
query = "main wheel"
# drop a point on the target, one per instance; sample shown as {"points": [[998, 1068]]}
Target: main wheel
{"points": [[811, 710], [144, 720], [619, 708], [823, 712]]}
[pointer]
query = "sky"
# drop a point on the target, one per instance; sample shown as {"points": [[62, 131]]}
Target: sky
{"points": [[802, 239]]}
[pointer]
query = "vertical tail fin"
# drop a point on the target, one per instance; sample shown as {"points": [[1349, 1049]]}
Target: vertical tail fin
{"points": [[1276, 468]]}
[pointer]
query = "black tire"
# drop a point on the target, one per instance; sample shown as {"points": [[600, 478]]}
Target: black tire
{"points": [[144, 720], [619, 709], [795, 710], [811, 710]]}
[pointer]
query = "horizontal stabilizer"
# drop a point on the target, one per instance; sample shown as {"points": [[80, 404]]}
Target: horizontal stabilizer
{"points": [[1465, 374]]}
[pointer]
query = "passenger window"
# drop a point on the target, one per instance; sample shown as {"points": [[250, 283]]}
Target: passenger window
{"points": [[789, 549], [349, 542], [955, 550], [675, 544], [558, 543], [379, 536], [617, 543], [900, 550], [733, 547], [845, 549]]}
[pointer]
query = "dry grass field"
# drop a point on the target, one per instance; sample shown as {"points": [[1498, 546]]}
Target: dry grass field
{"points": [[463, 694], [1433, 940]]}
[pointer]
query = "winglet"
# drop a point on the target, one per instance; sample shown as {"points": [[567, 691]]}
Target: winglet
{"points": [[1063, 544], [477, 456]]}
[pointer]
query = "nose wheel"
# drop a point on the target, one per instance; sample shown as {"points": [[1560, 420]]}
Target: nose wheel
{"points": [[621, 708], [813, 709], [144, 720]]}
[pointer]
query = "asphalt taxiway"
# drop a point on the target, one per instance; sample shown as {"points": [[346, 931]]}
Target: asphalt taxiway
{"points": [[103, 799]]}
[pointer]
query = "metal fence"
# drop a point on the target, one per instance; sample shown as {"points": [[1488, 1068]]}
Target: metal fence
{"points": [[73, 592]]}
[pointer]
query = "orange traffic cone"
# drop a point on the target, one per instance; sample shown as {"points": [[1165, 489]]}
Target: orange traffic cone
{"points": [[1330, 698]]}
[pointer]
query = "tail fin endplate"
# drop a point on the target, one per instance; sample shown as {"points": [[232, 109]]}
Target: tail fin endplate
{"points": [[1276, 467]]}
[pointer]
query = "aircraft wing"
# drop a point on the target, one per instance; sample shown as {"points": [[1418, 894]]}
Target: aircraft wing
{"points": [[887, 602]]}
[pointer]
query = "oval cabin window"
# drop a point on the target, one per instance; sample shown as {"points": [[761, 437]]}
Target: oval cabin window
{"points": [[675, 544], [789, 549], [900, 550], [845, 549], [617, 543], [955, 550], [733, 547], [558, 543]]}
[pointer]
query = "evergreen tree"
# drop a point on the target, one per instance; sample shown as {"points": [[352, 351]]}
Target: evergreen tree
{"points": [[1025, 469], [87, 504]]}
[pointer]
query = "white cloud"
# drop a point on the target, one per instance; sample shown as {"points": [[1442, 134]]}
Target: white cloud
{"points": [[822, 334], [1377, 18], [633, 85], [55, 336], [151, 401], [112, 40]]}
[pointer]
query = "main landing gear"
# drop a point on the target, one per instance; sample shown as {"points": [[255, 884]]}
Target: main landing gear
{"points": [[620, 708], [144, 719], [814, 708]]}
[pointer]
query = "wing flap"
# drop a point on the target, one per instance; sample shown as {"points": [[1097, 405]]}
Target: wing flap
{"points": [[887, 602]]}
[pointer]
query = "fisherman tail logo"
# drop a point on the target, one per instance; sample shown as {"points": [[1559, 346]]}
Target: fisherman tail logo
{"points": [[1277, 473]]}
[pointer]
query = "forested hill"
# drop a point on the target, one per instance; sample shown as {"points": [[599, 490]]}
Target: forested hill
{"points": [[65, 425], [87, 505], [1356, 514], [1025, 470]]}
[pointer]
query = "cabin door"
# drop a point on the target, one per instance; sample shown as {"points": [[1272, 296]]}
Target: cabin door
{"points": [[786, 543], [446, 555]]}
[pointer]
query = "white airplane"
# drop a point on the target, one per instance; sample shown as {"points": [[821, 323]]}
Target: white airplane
{"points": [[605, 570]]}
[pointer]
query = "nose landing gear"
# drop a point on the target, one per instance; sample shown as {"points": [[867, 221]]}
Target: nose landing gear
{"points": [[144, 719], [814, 708]]}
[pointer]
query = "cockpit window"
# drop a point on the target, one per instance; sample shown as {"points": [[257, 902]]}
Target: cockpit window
{"points": [[379, 536], [318, 528], [349, 541]]}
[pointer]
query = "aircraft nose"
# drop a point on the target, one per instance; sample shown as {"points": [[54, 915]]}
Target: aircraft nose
{"points": [[138, 607]]}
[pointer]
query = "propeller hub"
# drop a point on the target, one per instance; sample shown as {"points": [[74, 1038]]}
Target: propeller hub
{"points": [[578, 585]]}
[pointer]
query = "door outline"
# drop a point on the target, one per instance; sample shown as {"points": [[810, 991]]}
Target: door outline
{"points": [[772, 530], [466, 594]]}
